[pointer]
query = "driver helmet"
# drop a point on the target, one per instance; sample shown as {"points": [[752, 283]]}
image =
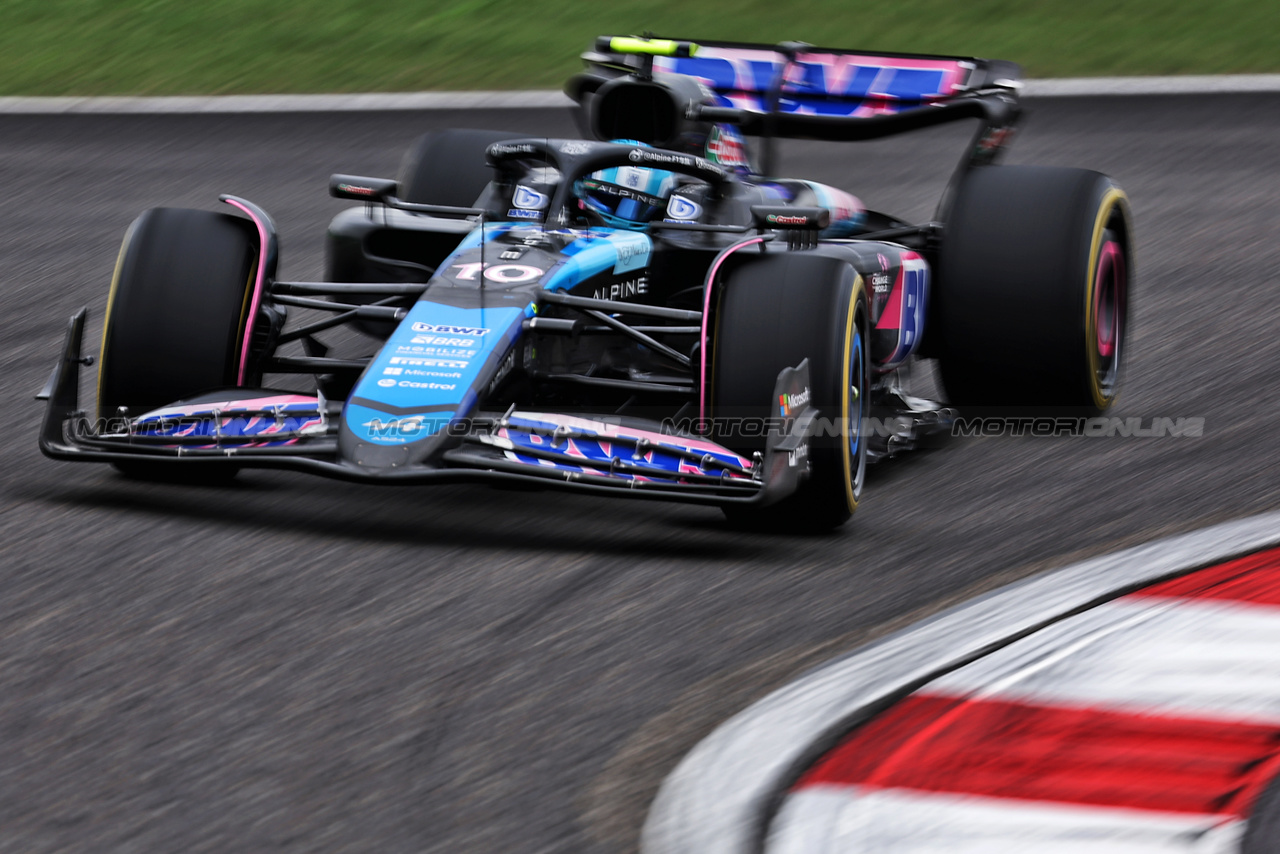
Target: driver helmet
{"points": [[627, 196]]}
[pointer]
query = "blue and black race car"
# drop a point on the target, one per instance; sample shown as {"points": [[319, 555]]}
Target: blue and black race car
{"points": [[647, 312]]}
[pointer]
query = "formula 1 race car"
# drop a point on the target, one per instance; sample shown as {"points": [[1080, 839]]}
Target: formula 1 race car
{"points": [[648, 313]]}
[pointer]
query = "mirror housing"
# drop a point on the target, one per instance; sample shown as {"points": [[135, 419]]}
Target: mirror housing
{"points": [[362, 189]]}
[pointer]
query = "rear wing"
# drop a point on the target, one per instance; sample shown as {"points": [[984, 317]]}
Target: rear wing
{"points": [[805, 80], [666, 91]]}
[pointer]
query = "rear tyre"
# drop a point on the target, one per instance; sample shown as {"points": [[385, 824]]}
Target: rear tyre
{"points": [[1033, 289], [447, 167], [176, 316], [773, 313]]}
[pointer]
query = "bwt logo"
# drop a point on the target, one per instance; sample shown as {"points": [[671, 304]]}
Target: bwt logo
{"points": [[450, 330], [680, 208], [528, 199]]}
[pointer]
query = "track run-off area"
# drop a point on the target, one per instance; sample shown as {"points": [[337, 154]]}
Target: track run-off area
{"points": [[301, 664]]}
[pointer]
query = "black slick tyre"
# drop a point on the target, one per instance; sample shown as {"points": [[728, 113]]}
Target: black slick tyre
{"points": [[1032, 293], [773, 313], [447, 167], [176, 314]]}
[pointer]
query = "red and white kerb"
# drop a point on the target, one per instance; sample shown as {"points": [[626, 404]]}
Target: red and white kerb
{"points": [[1150, 723]]}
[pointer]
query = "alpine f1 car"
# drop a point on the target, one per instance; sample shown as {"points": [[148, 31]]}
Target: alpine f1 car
{"points": [[648, 311]]}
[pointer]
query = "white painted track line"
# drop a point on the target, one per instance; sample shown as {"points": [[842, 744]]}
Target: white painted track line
{"points": [[367, 102], [549, 98], [1207, 84]]}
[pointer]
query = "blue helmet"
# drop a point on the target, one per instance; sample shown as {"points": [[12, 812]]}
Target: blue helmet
{"points": [[626, 196]]}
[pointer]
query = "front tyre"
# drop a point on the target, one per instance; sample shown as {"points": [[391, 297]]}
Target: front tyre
{"points": [[176, 316], [773, 313]]}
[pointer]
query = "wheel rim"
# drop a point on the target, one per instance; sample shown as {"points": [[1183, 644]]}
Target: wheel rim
{"points": [[1109, 302]]}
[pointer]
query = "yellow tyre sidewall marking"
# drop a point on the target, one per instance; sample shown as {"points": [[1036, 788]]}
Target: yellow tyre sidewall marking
{"points": [[111, 301], [244, 306], [1111, 199], [845, 415]]}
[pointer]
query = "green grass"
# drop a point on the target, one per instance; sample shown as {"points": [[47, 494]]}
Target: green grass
{"points": [[153, 47]]}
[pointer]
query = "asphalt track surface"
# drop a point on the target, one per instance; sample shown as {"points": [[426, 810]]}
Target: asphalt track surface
{"points": [[296, 664]]}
